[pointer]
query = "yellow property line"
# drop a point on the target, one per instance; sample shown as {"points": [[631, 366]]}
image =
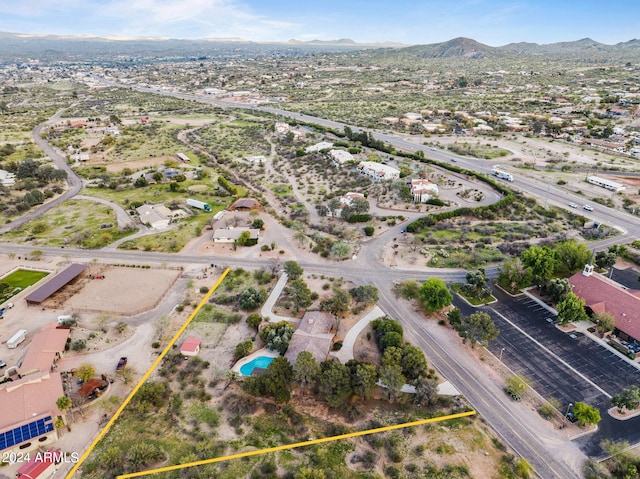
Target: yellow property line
{"points": [[298, 444], [146, 376]]}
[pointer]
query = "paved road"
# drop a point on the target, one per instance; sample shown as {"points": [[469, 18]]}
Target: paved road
{"points": [[74, 182], [482, 393]]}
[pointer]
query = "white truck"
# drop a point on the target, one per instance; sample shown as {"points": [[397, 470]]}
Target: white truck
{"points": [[201, 205], [503, 175], [16, 339]]}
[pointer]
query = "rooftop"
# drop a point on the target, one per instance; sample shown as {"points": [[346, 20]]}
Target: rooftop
{"points": [[30, 397], [55, 283], [45, 346], [601, 294]]}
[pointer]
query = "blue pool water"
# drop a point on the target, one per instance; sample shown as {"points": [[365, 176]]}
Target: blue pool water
{"points": [[259, 362]]}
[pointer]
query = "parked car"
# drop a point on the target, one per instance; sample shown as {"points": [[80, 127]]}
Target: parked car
{"points": [[549, 320], [571, 417], [121, 364], [2, 364]]}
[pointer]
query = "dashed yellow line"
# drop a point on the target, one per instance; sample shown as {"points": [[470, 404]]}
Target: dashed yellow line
{"points": [[298, 444], [146, 376]]}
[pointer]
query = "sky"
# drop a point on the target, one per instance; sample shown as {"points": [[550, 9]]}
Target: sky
{"points": [[493, 22]]}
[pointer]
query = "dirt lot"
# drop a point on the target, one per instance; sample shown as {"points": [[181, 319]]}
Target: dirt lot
{"points": [[114, 294], [137, 164]]}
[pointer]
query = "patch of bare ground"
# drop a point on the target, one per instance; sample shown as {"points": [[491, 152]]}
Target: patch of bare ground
{"points": [[133, 164], [115, 293]]}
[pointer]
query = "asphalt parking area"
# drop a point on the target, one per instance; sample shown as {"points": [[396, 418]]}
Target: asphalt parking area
{"points": [[600, 372], [561, 367]]}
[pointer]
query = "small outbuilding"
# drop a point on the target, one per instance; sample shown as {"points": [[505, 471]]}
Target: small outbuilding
{"points": [[190, 347]]}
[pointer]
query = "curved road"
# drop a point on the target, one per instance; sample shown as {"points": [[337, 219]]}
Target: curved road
{"points": [[480, 391]]}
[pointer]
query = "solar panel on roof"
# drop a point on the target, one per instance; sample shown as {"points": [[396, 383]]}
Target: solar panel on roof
{"points": [[24, 433]]}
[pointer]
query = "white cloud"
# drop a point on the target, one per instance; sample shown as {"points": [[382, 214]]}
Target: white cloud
{"points": [[192, 19]]}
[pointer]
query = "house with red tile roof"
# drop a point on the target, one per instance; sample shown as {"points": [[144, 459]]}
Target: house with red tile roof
{"points": [[604, 295]]}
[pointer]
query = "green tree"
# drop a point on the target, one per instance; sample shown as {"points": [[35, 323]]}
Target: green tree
{"points": [[369, 230], [359, 206], [426, 392], [243, 239], [391, 376], [605, 322], [277, 336], [251, 298], [413, 362], [85, 372], [365, 294], [435, 295], [258, 223], [254, 320], [586, 414], [408, 289], [335, 383], [571, 257], [476, 281], [277, 378], [363, 378], [243, 349], [541, 261], [516, 386], [338, 303], [479, 327], [390, 339], [557, 289], [157, 176], [333, 206], [293, 269], [299, 293], [63, 403], [140, 182], [571, 309], [605, 259], [306, 369], [514, 275], [627, 398]]}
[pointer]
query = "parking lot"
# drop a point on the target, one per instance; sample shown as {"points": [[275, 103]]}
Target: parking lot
{"points": [[561, 367]]}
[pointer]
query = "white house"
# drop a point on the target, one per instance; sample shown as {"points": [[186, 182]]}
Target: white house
{"points": [[340, 157], [323, 145], [231, 234], [154, 216], [378, 171], [423, 190]]}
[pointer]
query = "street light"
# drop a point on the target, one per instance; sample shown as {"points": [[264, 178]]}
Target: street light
{"points": [[501, 351], [568, 407]]}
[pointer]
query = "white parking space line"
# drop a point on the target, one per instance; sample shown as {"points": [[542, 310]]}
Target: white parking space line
{"points": [[551, 353]]}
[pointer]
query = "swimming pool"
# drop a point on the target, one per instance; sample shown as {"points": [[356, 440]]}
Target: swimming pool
{"points": [[259, 362]]}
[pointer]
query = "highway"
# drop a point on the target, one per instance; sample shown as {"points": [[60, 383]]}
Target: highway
{"points": [[481, 392]]}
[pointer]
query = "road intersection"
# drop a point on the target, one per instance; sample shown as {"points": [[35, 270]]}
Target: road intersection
{"points": [[533, 441]]}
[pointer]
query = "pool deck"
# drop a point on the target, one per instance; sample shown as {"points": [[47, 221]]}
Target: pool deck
{"points": [[260, 352]]}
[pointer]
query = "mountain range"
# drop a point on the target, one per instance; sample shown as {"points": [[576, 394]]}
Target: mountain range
{"points": [[20, 47]]}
